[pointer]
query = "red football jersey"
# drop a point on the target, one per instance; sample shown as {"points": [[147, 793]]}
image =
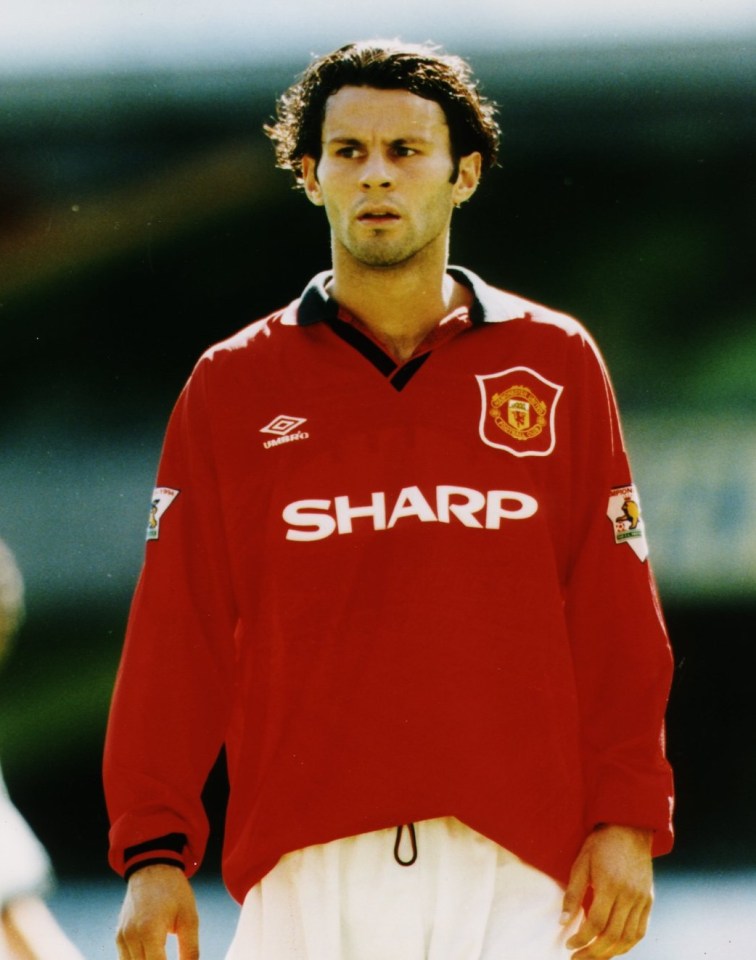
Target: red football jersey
{"points": [[394, 592]]}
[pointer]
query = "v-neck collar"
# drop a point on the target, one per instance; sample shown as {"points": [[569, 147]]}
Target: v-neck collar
{"points": [[317, 306]]}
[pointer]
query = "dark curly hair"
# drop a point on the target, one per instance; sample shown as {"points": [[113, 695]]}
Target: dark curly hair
{"points": [[386, 65]]}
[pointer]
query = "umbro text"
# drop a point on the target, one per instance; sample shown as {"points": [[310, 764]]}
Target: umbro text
{"points": [[289, 438]]}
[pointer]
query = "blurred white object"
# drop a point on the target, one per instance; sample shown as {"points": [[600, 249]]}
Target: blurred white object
{"points": [[28, 931], [24, 865]]}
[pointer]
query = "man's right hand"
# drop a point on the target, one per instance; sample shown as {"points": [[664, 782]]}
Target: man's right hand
{"points": [[159, 901]]}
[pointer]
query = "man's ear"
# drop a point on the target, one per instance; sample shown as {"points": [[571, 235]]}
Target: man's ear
{"points": [[310, 180], [468, 177]]}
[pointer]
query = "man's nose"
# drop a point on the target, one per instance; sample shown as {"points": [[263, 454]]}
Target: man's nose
{"points": [[376, 171]]}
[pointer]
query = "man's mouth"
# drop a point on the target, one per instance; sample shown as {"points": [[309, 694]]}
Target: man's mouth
{"points": [[378, 216]]}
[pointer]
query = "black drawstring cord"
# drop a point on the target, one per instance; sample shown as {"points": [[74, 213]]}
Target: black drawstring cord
{"points": [[413, 841]]}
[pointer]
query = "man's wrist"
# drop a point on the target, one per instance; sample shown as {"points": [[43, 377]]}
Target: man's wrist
{"points": [[641, 833]]}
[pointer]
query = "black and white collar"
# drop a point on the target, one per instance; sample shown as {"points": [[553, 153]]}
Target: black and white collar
{"points": [[316, 304]]}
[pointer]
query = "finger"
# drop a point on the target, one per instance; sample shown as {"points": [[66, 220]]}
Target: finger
{"points": [[636, 925], [153, 951], [575, 892], [635, 928], [187, 931], [645, 916], [621, 933], [129, 947], [593, 925], [188, 949], [142, 944], [585, 934], [604, 943], [123, 950], [153, 945]]}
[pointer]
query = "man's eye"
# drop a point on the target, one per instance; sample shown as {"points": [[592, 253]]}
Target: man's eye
{"points": [[405, 151], [348, 152]]}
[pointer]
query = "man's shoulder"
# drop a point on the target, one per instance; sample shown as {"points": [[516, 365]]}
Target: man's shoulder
{"points": [[259, 337], [516, 322], [501, 306]]}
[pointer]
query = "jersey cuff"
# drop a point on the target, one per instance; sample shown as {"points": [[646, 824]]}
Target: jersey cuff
{"points": [[162, 850], [151, 862]]}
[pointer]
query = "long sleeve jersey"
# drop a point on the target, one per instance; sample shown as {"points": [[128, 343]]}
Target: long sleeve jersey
{"points": [[394, 592]]}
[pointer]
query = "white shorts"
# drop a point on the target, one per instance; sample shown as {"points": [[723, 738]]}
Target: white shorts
{"points": [[465, 898]]}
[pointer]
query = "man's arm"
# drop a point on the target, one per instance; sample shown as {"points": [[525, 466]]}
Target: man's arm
{"points": [[159, 901], [615, 865], [174, 690]]}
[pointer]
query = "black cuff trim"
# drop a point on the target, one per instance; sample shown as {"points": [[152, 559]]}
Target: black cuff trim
{"points": [[167, 861], [175, 842]]}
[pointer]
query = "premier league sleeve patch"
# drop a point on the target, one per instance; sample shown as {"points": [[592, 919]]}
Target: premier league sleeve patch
{"points": [[162, 498], [518, 411], [624, 512]]}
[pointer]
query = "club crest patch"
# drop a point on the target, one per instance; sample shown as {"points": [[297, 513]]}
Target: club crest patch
{"points": [[624, 512], [162, 498], [518, 411]]}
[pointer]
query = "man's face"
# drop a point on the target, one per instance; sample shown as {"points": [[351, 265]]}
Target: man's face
{"points": [[384, 175]]}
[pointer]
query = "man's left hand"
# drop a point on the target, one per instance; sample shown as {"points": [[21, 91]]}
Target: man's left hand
{"points": [[615, 864]]}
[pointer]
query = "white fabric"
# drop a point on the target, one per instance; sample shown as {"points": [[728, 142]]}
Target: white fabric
{"points": [[24, 865], [465, 898]]}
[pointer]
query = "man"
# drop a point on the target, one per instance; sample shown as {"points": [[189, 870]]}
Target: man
{"points": [[28, 931], [396, 566]]}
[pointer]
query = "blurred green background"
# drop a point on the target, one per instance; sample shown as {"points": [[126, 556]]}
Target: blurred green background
{"points": [[141, 220]]}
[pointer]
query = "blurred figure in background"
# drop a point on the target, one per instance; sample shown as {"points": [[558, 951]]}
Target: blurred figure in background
{"points": [[28, 931]]}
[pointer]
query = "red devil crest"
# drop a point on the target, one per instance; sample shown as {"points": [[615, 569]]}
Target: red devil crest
{"points": [[518, 408]]}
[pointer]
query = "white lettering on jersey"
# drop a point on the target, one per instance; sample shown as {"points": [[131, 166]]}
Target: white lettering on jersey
{"points": [[411, 503], [299, 514], [309, 520], [464, 512], [496, 511], [345, 512]]}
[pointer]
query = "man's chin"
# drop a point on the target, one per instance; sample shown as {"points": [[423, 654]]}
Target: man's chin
{"points": [[383, 259], [385, 264]]}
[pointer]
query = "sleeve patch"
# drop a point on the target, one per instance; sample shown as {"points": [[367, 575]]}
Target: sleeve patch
{"points": [[624, 512], [162, 498]]}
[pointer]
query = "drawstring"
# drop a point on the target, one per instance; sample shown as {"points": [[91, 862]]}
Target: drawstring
{"points": [[413, 841]]}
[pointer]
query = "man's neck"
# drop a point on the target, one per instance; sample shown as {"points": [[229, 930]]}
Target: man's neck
{"points": [[399, 305]]}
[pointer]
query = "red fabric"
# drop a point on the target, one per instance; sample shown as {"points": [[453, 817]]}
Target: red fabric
{"points": [[511, 671]]}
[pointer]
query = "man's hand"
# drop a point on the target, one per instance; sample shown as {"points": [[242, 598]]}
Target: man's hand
{"points": [[158, 901], [615, 864]]}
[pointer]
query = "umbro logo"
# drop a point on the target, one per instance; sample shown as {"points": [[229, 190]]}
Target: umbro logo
{"points": [[285, 430], [282, 425]]}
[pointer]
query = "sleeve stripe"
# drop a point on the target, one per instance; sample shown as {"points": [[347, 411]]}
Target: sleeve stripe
{"points": [[174, 842], [150, 862]]}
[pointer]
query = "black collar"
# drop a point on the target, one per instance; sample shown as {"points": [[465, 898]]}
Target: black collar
{"points": [[317, 305]]}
